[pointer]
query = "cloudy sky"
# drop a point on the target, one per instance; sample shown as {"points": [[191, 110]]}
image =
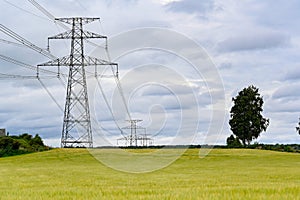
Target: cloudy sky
{"points": [[249, 42]]}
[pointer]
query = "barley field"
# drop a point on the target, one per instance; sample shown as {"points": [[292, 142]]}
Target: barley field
{"points": [[223, 174]]}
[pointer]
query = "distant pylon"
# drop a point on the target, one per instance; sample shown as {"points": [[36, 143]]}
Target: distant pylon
{"points": [[77, 129], [133, 127], [134, 136]]}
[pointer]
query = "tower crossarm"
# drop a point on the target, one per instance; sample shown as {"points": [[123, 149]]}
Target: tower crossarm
{"points": [[84, 20], [130, 127], [85, 35], [66, 61], [134, 120], [96, 61]]}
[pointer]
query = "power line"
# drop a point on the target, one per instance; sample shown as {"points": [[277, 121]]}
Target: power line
{"points": [[118, 83], [52, 18], [48, 14], [32, 46], [18, 7], [28, 66], [49, 93], [25, 42], [107, 104], [12, 43], [14, 76], [116, 78]]}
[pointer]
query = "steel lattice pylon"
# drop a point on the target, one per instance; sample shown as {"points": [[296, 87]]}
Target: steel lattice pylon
{"points": [[77, 130], [134, 137]]}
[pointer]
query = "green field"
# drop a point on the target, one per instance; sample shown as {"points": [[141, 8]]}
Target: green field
{"points": [[223, 174]]}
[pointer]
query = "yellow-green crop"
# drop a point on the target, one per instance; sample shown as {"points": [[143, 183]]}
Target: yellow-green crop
{"points": [[223, 174]]}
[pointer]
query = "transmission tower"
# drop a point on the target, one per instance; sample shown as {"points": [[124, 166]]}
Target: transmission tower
{"points": [[77, 129], [134, 137]]}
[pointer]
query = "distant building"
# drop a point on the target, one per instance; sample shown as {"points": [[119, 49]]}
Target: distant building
{"points": [[2, 132]]}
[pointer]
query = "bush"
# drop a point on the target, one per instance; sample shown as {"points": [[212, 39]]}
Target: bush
{"points": [[233, 142], [25, 143]]}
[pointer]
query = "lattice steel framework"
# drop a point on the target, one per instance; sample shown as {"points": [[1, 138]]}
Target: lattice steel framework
{"points": [[77, 129], [134, 137]]}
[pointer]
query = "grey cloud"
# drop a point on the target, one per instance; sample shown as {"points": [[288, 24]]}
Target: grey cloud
{"points": [[154, 23], [285, 99], [122, 2], [161, 90], [283, 107], [287, 92], [279, 14], [225, 66], [191, 6], [253, 41], [292, 75]]}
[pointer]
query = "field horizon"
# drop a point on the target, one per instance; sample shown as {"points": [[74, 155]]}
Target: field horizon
{"points": [[222, 174]]}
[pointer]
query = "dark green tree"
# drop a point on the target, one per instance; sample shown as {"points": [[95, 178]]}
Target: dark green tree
{"points": [[37, 140], [9, 143], [298, 127], [233, 142], [26, 136], [246, 120], [25, 143]]}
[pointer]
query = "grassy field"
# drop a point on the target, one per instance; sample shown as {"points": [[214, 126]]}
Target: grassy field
{"points": [[223, 174]]}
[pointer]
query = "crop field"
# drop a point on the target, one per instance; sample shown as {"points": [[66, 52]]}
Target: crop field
{"points": [[223, 174]]}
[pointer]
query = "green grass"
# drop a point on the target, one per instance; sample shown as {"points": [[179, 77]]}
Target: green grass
{"points": [[223, 174]]}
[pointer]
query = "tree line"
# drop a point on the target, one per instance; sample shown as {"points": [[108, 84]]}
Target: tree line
{"points": [[24, 143]]}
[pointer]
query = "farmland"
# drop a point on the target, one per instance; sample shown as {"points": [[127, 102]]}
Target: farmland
{"points": [[223, 174]]}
